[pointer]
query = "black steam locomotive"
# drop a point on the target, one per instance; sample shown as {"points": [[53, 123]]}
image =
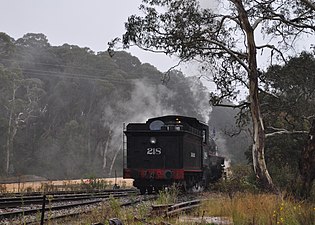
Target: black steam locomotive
{"points": [[170, 149]]}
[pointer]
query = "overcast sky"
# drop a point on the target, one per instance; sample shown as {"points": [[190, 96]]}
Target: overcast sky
{"points": [[84, 23]]}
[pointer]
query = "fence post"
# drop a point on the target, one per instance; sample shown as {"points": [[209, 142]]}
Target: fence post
{"points": [[43, 210]]}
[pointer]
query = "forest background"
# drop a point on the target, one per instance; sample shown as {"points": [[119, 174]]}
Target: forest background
{"points": [[62, 109]]}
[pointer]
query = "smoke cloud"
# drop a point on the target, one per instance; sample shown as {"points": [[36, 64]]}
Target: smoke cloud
{"points": [[199, 93], [146, 101]]}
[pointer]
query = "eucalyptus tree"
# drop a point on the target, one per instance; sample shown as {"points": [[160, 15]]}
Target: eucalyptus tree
{"points": [[291, 104], [6, 45], [288, 114], [224, 39], [19, 99]]}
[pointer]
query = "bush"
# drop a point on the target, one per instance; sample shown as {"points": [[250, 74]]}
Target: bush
{"points": [[241, 179]]}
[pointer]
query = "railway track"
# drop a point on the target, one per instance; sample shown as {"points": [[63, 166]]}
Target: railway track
{"points": [[14, 207], [65, 206], [20, 200], [25, 194], [174, 209], [72, 214]]}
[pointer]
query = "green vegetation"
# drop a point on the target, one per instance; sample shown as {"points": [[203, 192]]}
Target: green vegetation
{"points": [[94, 183], [223, 39], [237, 198], [262, 209], [3, 188], [62, 108], [168, 196], [244, 208]]}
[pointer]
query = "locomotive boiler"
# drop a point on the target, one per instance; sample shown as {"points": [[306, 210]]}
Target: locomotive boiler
{"points": [[170, 149]]}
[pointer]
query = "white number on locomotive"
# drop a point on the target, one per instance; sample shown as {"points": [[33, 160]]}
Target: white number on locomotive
{"points": [[154, 151]]}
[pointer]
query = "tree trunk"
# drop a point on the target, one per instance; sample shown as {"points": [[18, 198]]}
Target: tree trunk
{"points": [[258, 148], [259, 164], [114, 160], [8, 145], [89, 121], [106, 148], [10, 133]]}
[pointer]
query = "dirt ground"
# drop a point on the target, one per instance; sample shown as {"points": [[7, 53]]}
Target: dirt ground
{"points": [[60, 184]]}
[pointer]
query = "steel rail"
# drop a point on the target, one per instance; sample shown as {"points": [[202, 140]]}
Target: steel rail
{"points": [[38, 200], [170, 210], [72, 214], [183, 206], [9, 202], [52, 208]]}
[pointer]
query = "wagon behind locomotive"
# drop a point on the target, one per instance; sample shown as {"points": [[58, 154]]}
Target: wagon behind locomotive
{"points": [[170, 149]]}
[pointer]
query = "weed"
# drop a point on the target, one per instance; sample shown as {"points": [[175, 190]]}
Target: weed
{"points": [[248, 208], [169, 195], [94, 183], [129, 216], [3, 188], [115, 206], [124, 184], [143, 211]]}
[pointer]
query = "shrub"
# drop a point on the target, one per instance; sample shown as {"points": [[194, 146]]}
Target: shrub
{"points": [[240, 180]]}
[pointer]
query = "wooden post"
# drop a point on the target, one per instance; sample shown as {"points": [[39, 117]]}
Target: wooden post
{"points": [[43, 210]]}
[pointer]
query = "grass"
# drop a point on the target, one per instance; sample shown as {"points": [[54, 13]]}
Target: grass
{"points": [[63, 185], [260, 209], [243, 209], [168, 196]]}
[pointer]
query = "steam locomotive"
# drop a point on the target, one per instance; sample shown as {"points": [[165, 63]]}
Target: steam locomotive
{"points": [[170, 149]]}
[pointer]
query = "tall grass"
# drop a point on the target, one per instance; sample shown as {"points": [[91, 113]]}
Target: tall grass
{"points": [[243, 209], [260, 209], [169, 195]]}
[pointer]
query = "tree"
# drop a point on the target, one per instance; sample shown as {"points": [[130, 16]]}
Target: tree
{"points": [[288, 112], [70, 104], [35, 41], [290, 105], [19, 100], [307, 163], [6, 45], [226, 41]]}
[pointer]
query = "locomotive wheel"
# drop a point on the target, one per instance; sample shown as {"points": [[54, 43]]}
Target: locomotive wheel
{"points": [[198, 187], [184, 187], [191, 185]]}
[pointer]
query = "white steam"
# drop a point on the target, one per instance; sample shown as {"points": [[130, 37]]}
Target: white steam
{"points": [[146, 101], [221, 143], [199, 93]]}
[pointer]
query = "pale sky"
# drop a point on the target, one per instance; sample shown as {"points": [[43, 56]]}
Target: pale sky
{"points": [[84, 23]]}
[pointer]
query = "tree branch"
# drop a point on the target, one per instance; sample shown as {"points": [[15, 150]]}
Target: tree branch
{"points": [[280, 131], [310, 4], [268, 93], [272, 47], [243, 105], [231, 53]]}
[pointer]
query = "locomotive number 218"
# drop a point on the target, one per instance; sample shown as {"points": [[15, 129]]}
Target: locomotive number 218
{"points": [[154, 151]]}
